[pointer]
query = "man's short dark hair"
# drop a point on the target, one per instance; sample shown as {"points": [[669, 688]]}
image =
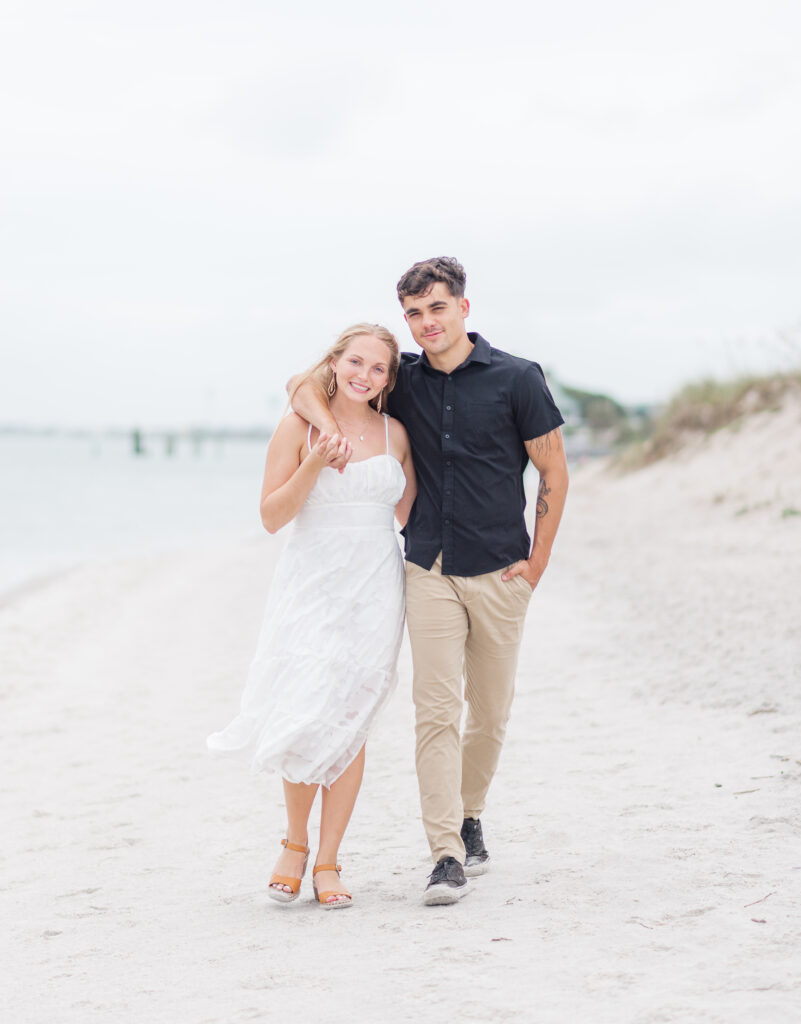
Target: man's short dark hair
{"points": [[421, 278]]}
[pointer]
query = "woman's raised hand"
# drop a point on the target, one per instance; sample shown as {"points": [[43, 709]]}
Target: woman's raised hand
{"points": [[334, 450]]}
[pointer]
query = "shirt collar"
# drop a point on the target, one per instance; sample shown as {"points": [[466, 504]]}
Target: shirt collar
{"points": [[479, 353]]}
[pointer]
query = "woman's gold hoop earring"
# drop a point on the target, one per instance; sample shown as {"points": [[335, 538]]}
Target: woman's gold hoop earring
{"points": [[332, 385], [378, 403]]}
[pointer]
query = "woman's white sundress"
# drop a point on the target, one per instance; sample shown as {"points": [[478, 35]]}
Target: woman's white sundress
{"points": [[327, 653]]}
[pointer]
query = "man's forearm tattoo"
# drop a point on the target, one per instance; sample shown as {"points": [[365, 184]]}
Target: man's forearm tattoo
{"points": [[542, 504]]}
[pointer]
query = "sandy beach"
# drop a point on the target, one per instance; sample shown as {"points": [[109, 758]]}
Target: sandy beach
{"points": [[644, 827]]}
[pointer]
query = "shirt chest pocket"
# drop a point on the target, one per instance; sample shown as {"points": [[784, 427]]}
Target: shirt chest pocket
{"points": [[484, 426]]}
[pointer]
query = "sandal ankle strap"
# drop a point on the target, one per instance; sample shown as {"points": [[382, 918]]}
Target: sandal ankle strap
{"points": [[326, 867], [294, 846]]}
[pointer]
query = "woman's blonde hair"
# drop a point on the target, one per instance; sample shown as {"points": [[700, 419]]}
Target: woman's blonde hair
{"points": [[324, 375]]}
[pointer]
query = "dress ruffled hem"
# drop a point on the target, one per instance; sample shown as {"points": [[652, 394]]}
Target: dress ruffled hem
{"points": [[303, 749]]}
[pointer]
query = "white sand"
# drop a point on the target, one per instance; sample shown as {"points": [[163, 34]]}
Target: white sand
{"points": [[645, 825]]}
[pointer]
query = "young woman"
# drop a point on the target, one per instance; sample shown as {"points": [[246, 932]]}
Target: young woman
{"points": [[327, 653]]}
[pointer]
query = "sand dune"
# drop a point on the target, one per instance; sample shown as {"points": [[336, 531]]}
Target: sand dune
{"points": [[645, 827]]}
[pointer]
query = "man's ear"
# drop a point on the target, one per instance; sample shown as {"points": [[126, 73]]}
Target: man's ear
{"points": [[464, 307]]}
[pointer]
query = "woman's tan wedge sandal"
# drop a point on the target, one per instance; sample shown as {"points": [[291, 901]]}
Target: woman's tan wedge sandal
{"points": [[346, 900], [281, 895]]}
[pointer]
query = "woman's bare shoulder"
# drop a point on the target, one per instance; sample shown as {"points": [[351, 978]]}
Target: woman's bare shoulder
{"points": [[397, 434], [396, 428], [291, 429]]}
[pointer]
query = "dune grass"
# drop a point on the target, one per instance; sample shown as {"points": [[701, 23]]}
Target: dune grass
{"points": [[702, 407]]}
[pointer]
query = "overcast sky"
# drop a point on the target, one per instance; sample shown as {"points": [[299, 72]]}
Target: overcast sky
{"points": [[197, 197]]}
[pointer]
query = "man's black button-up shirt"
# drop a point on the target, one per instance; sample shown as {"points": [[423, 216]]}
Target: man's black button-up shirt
{"points": [[467, 430]]}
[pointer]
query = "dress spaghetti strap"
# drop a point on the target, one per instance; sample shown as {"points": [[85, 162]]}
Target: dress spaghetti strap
{"points": [[308, 437], [386, 428]]}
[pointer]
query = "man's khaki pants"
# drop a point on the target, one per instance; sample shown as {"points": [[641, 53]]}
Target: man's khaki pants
{"points": [[459, 626]]}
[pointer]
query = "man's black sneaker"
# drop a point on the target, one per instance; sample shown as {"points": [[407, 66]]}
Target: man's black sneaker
{"points": [[446, 883], [476, 856]]}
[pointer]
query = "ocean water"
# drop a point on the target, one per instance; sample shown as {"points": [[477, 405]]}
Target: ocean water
{"points": [[65, 500]]}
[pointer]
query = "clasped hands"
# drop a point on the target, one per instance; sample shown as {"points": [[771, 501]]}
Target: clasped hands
{"points": [[334, 449]]}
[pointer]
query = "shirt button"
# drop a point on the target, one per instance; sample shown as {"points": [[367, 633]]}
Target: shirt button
{"points": [[447, 435], [449, 463], [448, 407], [447, 522]]}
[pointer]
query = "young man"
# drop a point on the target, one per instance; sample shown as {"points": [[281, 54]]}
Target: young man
{"points": [[474, 416]]}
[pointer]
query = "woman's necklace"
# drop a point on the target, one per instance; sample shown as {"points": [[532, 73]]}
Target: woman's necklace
{"points": [[360, 435]]}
